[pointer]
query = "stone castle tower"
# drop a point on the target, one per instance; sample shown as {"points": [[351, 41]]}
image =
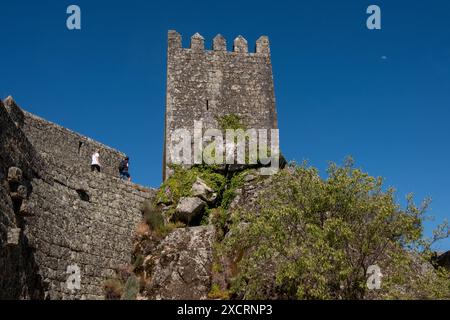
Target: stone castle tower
{"points": [[206, 84]]}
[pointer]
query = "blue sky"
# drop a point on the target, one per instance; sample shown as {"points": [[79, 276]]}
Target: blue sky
{"points": [[381, 96]]}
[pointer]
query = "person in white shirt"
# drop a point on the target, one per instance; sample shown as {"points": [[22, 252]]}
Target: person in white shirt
{"points": [[95, 164]]}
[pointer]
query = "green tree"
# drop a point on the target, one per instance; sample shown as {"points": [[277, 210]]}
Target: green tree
{"points": [[315, 238]]}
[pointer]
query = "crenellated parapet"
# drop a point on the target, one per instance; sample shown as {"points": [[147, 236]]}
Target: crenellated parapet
{"points": [[219, 43]]}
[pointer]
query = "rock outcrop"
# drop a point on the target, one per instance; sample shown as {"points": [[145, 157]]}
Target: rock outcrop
{"points": [[202, 190], [182, 265], [189, 209]]}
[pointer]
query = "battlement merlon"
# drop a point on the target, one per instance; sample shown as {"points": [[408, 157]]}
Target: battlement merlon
{"points": [[240, 45]]}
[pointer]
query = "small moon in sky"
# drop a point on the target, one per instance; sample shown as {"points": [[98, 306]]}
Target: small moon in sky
{"points": [[383, 58]]}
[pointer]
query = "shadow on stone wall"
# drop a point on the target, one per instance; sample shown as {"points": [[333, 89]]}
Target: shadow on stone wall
{"points": [[20, 278], [19, 273]]}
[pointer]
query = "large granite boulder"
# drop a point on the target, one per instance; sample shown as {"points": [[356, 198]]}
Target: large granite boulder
{"points": [[189, 209], [182, 265], [202, 190]]}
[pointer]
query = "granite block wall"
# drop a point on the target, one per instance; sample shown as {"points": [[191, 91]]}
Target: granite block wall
{"points": [[19, 272], [69, 216]]}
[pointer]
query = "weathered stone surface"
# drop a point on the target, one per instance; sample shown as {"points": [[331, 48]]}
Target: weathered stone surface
{"points": [[19, 194], [182, 270], [240, 44], [202, 190], [250, 177], [19, 276], [254, 184], [13, 236], [197, 42], [15, 113], [189, 209], [27, 208], [219, 43], [14, 174], [168, 199], [262, 45]]}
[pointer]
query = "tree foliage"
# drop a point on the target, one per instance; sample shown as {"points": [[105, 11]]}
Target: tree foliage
{"points": [[315, 238]]}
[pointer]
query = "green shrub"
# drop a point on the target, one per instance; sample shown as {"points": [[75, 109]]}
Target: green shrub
{"points": [[168, 228], [219, 217], [113, 289], [181, 181], [137, 263], [153, 216], [131, 288], [236, 182], [230, 121], [206, 217], [315, 239], [217, 293], [216, 267]]}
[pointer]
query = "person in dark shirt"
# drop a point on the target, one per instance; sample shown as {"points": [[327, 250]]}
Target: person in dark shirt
{"points": [[123, 169]]}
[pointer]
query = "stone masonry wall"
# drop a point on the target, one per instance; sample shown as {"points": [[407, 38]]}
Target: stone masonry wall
{"points": [[206, 84], [71, 216], [19, 272], [68, 147]]}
